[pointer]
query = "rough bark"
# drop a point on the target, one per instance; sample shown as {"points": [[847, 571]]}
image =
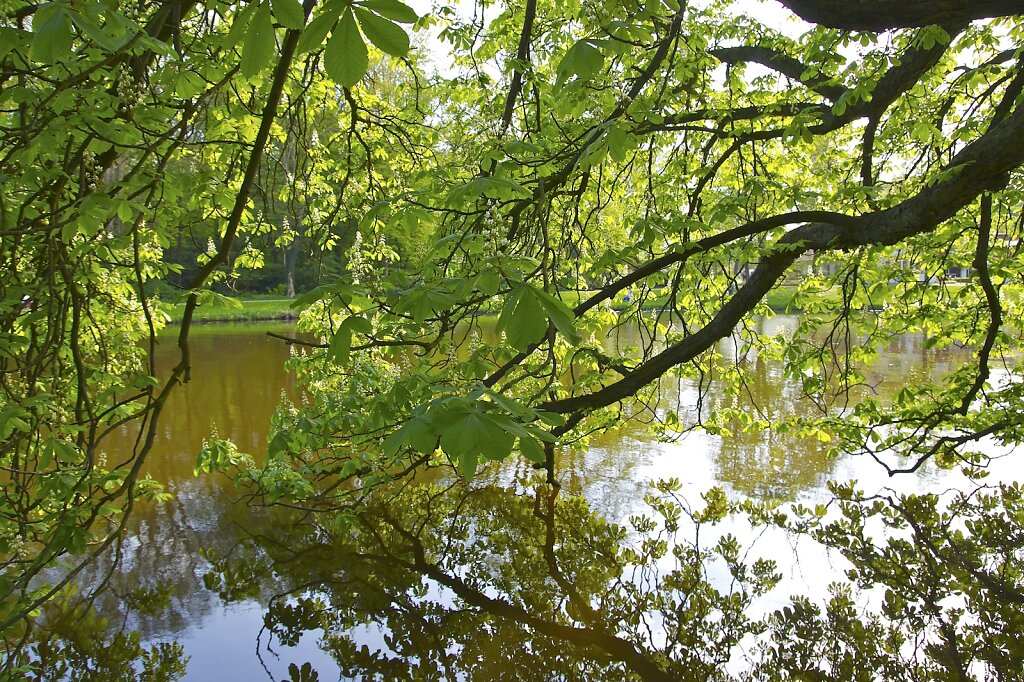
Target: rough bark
{"points": [[881, 15]]}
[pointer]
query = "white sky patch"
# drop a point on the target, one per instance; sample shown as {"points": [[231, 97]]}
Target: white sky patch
{"points": [[768, 12], [439, 57]]}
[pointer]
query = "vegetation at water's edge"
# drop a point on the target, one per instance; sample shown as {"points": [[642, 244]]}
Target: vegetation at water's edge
{"points": [[254, 309], [247, 310], [687, 158]]}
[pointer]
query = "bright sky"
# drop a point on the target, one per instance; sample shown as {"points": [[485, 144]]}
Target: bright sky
{"points": [[768, 12]]}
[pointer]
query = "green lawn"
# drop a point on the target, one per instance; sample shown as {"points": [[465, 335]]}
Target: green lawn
{"points": [[779, 299], [272, 309]]}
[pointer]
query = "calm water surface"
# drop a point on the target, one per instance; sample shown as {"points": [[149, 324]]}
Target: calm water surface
{"points": [[238, 382]]}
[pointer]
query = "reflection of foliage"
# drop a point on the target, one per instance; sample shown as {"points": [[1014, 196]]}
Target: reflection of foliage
{"points": [[953, 587], [472, 581], [476, 581], [306, 673], [76, 644]]}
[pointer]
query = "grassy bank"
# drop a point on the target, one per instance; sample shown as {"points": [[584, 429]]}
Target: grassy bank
{"points": [[249, 310], [781, 298]]}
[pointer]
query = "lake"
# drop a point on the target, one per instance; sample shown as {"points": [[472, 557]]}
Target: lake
{"points": [[249, 592]]}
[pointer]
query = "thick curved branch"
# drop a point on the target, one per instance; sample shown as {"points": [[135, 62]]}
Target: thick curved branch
{"points": [[522, 55], [882, 15], [913, 64], [782, 63], [981, 166], [867, 153], [658, 264], [702, 246], [723, 117], [995, 310]]}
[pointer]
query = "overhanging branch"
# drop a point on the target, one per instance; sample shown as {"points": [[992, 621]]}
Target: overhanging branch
{"points": [[782, 63], [981, 166], [882, 15]]}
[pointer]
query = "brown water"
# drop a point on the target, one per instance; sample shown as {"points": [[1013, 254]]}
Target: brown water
{"points": [[238, 382]]}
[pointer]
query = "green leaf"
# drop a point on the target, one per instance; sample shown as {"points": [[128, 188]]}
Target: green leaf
{"points": [[394, 442], [583, 60], [489, 281], [278, 445], [619, 143], [315, 33], [125, 211], [259, 45], [468, 463], [188, 84], [307, 299], [469, 427], [10, 38], [839, 108], [532, 450], [345, 58], [541, 434], [418, 433], [490, 188], [423, 302], [93, 30], [386, 35], [289, 13], [53, 39], [551, 418], [66, 453], [239, 23], [392, 9], [559, 314], [215, 300], [509, 405], [144, 381], [522, 319], [216, 454], [358, 324], [340, 345], [925, 132]]}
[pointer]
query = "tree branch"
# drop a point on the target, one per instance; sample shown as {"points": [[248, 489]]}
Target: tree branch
{"points": [[782, 63], [522, 55], [883, 15], [981, 166]]}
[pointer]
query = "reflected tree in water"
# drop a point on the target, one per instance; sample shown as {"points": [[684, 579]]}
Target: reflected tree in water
{"points": [[73, 642], [443, 581], [493, 581]]}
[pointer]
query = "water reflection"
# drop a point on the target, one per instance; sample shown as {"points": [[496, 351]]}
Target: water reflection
{"points": [[238, 381], [444, 581]]}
